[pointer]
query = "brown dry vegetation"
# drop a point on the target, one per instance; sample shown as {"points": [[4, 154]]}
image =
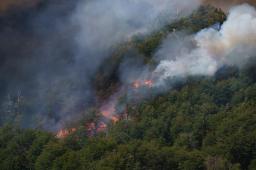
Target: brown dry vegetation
{"points": [[226, 4]]}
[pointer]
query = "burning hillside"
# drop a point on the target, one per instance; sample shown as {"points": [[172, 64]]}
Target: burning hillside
{"points": [[200, 54], [142, 83], [52, 80], [108, 111], [52, 69], [127, 84]]}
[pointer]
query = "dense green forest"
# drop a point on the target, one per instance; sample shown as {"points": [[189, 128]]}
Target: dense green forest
{"points": [[107, 80], [202, 123]]}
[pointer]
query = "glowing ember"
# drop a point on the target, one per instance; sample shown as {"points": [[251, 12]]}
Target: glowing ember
{"points": [[136, 84], [148, 83], [108, 114], [102, 127], [91, 129], [63, 133], [115, 119], [108, 111], [145, 83]]}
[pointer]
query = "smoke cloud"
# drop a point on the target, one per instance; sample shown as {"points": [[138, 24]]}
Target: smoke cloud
{"points": [[104, 23], [50, 54], [209, 49]]}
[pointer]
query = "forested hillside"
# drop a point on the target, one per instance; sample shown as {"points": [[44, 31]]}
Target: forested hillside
{"points": [[204, 123], [201, 123], [107, 77]]}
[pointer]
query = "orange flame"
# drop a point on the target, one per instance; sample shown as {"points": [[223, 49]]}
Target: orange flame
{"points": [[63, 133], [115, 119], [91, 128], [136, 84], [108, 113], [145, 83], [148, 83], [101, 127]]}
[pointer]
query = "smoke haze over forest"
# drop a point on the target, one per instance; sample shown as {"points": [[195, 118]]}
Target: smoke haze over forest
{"points": [[51, 50], [127, 84], [9, 5]]}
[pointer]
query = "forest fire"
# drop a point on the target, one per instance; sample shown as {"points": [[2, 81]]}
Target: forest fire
{"points": [[144, 83], [63, 133], [101, 127], [107, 111], [148, 83], [94, 128]]}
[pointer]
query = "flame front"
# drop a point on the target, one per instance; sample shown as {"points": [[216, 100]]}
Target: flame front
{"points": [[107, 111], [148, 83], [63, 133], [142, 83]]}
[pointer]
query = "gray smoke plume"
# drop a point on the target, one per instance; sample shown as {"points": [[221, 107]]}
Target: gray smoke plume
{"points": [[105, 23], [50, 51], [233, 44]]}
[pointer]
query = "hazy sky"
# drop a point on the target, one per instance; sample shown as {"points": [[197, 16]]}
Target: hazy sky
{"points": [[6, 5]]}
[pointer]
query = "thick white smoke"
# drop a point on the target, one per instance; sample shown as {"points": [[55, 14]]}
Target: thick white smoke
{"points": [[105, 23], [92, 29], [232, 45]]}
